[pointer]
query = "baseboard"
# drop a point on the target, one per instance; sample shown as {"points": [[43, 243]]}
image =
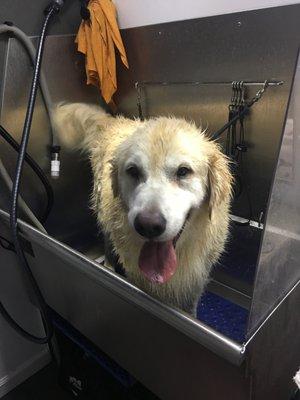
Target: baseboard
{"points": [[23, 372]]}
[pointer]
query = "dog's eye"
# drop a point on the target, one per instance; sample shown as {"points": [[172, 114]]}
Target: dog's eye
{"points": [[183, 172], [133, 171]]}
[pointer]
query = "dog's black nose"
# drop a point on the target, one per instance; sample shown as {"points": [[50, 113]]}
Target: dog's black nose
{"points": [[150, 224]]}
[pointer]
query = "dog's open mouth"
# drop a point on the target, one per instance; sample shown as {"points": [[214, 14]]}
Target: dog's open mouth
{"points": [[158, 260]]}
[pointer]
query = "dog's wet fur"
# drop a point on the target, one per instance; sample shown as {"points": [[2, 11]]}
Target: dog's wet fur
{"points": [[162, 191]]}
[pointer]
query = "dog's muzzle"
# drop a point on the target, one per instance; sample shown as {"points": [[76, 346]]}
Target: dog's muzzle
{"points": [[150, 224], [157, 259]]}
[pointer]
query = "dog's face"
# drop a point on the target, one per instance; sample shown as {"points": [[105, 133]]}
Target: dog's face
{"points": [[162, 174]]}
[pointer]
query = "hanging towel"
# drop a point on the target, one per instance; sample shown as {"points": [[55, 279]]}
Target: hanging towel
{"points": [[97, 38]]}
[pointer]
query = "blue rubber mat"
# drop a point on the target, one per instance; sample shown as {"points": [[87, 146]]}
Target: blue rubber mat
{"points": [[223, 316]]}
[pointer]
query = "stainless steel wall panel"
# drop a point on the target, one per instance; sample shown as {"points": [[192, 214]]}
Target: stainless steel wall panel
{"points": [[278, 268]]}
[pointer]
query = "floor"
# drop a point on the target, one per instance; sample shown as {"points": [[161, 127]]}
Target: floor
{"points": [[44, 386], [41, 386]]}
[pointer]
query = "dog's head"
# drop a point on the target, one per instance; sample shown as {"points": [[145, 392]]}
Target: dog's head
{"points": [[163, 172]]}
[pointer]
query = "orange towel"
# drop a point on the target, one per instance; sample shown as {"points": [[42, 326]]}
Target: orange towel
{"points": [[97, 39]]}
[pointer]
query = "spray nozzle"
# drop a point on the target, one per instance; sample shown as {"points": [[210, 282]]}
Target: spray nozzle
{"points": [[55, 161]]}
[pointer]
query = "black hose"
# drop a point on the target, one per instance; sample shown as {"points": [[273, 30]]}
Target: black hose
{"points": [[51, 10], [36, 168]]}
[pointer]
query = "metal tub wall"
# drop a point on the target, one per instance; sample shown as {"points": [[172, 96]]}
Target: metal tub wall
{"points": [[278, 267], [273, 344], [170, 353]]}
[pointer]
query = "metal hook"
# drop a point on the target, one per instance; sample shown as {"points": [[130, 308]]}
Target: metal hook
{"points": [[241, 99], [236, 88], [239, 94], [243, 93], [233, 96]]}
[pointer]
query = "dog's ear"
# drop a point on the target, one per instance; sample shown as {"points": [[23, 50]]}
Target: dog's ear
{"points": [[114, 177], [219, 179]]}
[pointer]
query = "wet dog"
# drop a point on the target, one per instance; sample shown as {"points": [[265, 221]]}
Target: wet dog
{"points": [[161, 193]]}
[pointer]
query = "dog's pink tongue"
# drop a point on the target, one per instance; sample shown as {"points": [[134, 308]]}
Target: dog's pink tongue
{"points": [[158, 261]]}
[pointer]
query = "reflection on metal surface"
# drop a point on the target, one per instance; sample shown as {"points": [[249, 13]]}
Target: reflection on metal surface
{"points": [[229, 293], [278, 268]]}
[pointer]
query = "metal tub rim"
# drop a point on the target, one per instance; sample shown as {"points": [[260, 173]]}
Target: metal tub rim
{"points": [[196, 330]]}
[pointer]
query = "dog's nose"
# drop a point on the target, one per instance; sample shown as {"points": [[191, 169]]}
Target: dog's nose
{"points": [[150, 224]]}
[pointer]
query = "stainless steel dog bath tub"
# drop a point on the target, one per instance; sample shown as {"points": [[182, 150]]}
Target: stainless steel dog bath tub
{"points": [[154, 342]]}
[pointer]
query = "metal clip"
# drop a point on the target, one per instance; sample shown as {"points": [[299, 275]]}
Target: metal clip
{"points": [[260, 93]]}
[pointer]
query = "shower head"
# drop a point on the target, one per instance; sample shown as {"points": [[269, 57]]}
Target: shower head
{"points": [[56, 5], [59, 3]]}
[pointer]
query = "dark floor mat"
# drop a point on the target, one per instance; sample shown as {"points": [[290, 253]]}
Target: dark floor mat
{"points": [[223, 316]]}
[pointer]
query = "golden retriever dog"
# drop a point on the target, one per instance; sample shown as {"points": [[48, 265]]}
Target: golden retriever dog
{"points": [[161, 193]]}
